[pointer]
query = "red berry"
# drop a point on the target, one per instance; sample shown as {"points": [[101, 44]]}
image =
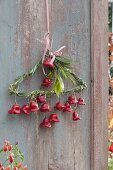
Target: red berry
{"points": [[75, 116], [81, 101], [26, 109], [5, 148], [72, 100], [67, 108], [47, 82], [54, 118], [19, 165], [15, 168], [46, 123], [48, 63], [34, 106], [9, 147], [8, 167], [1, 164], [15, 109], [45, 108], [59, 106], [11, 159], [41, 99], [2, 168], [111, 147]]}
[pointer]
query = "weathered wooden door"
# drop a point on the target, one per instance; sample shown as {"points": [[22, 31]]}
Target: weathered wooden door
{"points": [[78, 146]]}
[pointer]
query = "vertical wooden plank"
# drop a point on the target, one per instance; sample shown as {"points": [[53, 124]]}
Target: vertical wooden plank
{"points": [[99, 84], [70, 147], [32, 26]]}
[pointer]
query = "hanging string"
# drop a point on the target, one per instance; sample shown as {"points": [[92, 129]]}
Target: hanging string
{"points": [[47, 41], [47, 16], [15, 98], [47, 36]]}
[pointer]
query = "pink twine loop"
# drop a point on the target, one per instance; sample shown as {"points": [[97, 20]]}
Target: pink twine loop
{"points": [[48, 46], [56, 53], [48, 43]]}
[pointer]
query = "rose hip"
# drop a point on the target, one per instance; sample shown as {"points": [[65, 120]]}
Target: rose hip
{"points": [[59, 106], [34, 106], [11, 159], [48, 63], [26, 109], [19, 165], [46, 123], [8, 167], [16, 109], [47, 82], [41, 99], [54, 118], [45, 107], [5, 148]]}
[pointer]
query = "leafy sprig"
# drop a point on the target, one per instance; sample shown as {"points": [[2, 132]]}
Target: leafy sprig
{"points": [[61, 72]]}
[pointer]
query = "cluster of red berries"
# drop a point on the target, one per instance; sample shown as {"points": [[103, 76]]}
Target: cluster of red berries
{"points": [[65, 108], [26, 109], [48, 63], [8, 148], [33, 106]]}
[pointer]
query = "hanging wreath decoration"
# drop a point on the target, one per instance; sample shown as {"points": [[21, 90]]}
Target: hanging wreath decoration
{"points": [[56, 68]]}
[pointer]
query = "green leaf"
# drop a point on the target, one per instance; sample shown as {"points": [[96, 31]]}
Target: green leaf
{"points": [[1, 150], [63, 60], [58, 86], [33, 70], [71, 77], [18, 80], [63, 72], [18, 154], [67, 75], [79, 81], [51, 74]]}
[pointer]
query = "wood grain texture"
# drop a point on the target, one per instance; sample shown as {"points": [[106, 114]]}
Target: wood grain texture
{"points": [[67, 145], [99, 84]]}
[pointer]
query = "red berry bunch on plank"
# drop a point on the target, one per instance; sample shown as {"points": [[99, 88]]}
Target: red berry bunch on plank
{"points": [[25, 109], [56, 69], [40, 105], [70, 106], [13, 158]]}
